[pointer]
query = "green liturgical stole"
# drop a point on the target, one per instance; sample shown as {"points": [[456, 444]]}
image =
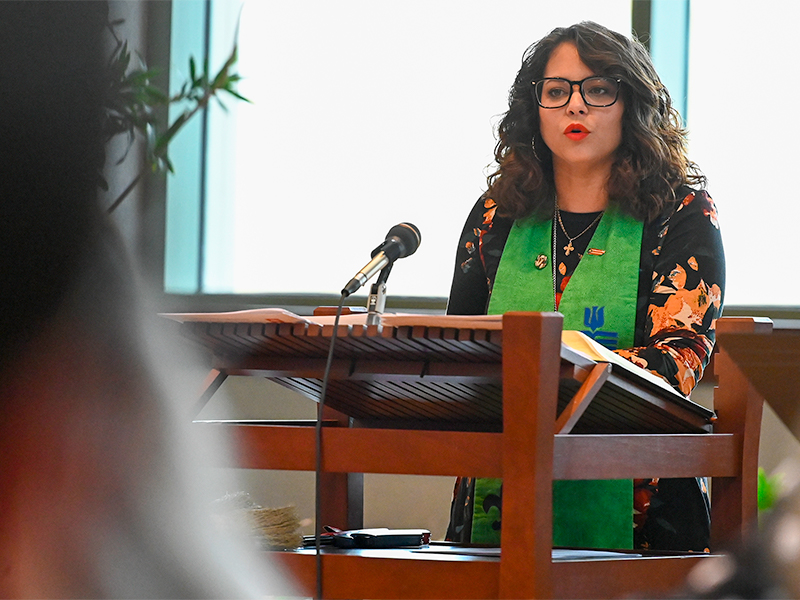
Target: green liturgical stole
{"points": [[599, 300]]}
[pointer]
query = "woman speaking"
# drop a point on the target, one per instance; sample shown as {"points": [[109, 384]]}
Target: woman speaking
{"points": [[595, 211]]}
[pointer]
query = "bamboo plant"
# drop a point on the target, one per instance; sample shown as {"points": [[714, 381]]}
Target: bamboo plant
{"points": [[132, 103]]}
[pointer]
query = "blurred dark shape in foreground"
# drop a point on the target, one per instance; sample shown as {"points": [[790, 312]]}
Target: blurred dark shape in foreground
{"points": [[103, 492], [766, 566]]}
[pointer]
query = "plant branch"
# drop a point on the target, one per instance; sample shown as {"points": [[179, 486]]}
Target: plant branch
{"points": [[125, 192], [132, 102]]}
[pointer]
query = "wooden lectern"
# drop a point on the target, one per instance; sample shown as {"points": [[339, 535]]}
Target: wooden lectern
{"points": [[460, 398]]}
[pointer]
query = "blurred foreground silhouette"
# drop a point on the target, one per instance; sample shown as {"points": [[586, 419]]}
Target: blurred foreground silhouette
{"points": [[102, 491]]}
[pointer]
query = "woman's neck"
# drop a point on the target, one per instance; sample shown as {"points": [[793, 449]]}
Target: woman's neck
{"points": [[581, 191]]}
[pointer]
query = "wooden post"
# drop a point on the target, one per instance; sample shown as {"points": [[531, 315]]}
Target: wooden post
{"points": [[531, 363], [734, 501], [342, 493]]}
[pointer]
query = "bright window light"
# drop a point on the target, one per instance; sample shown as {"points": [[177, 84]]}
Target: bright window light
{"points": [[745, 143], [365, 114]]}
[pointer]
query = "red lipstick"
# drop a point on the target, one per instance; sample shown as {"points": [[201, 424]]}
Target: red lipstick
{"points": [[576, 131]]}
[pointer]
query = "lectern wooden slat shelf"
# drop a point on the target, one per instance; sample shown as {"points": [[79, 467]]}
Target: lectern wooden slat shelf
{"points": [[421, 399]]}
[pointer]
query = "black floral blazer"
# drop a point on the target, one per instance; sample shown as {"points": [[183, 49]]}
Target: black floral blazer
{"points": [[681, 283]]}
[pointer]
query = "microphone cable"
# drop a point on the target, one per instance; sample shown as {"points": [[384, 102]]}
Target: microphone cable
{"points": [[401, 241], [318, 443]]}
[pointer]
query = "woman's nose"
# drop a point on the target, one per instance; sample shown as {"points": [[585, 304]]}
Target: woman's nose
{"points": [[576, 105]]}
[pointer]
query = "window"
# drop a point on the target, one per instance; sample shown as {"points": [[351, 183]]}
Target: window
{"points": [[364, 114], [744, 141]]}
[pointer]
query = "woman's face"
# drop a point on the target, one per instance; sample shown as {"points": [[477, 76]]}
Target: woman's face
{"points": [[564, 129]]}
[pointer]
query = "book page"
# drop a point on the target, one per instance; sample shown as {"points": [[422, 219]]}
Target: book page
{"points": [[494, 322], [582, 343]]}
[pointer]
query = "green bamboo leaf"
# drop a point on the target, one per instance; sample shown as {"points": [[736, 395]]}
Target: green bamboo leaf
{"points": [[221, 103], [221, 78], [236, 94], [163, 141], [132, 100], [150, 135], [153, 95]]}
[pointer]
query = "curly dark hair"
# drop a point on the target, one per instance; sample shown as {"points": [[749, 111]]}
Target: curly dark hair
{"points": [[651, 160]]}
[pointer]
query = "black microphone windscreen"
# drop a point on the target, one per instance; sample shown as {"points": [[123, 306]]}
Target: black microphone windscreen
{"points": [[408, 235]]}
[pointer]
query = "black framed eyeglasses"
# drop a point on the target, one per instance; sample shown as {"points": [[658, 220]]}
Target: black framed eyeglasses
{"points": [[555, 92]]}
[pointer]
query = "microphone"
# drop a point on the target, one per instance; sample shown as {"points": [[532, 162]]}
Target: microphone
{"points": [[401, 241]]}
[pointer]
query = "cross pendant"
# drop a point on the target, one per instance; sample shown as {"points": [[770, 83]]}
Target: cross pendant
{"points": [[568, 248]]}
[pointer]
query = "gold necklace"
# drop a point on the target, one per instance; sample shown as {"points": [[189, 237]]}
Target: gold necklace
{"points": [[569, 247]]}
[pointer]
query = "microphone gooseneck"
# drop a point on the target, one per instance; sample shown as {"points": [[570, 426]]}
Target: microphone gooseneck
{"points": [[402, 240]]}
